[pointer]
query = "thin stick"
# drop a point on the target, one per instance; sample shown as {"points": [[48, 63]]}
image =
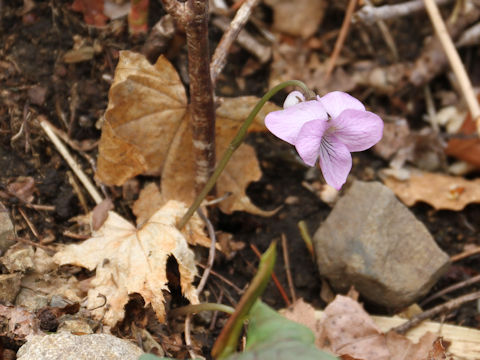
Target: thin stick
{"points": [[454, 287], [448, 306], [29, 223], [387, 36], [219, 58], [369, 14], [465, 254], [71, 162], [274, 278], [225, 280], [188, 338], [454, 60], [211, 252], [341, 39], [193, 16], [286, 260]]}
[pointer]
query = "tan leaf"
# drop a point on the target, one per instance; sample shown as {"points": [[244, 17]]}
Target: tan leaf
{"points": [[346, 329], [243, 168], [147, 131], [148, 202], [146, 105], [439, 190], [129, 260]]}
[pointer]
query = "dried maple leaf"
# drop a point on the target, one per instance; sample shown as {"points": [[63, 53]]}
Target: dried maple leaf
{"points": [[443, 192], [129, 260], [147, 131]]}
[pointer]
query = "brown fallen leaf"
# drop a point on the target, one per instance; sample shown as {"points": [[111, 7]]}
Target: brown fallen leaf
{"points": [[298, 18], [467, 149], [442, 192], [147, 131], [346, 329], [129, 260]]}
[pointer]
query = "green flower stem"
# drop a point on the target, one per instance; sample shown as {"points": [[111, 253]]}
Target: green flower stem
{"points": [[227, 341], [196, 308], [241, 134]]}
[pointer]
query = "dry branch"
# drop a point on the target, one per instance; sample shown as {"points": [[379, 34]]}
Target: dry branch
{"points": [[193, 16]]}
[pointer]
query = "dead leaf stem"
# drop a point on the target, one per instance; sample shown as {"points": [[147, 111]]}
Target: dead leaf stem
{"points": [[237, 24], [193, 16], [454, 60], [442, 308], [235, 143]]}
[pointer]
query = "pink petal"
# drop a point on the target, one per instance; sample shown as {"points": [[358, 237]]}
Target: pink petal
{"points": [[293, 98], [287, 123], [337, 101], [335, 161], [358, 130], [309, 140]]}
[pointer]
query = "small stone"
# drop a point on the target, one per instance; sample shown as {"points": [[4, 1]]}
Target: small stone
{"points": [[372, 241], [66, 346], [19, 257], [74, 324], [9, 287], [7, 233]]}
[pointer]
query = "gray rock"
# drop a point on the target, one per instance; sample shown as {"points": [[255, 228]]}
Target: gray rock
{"points": [[66, 346], [372, 241], [9, 287], [7, 233]]}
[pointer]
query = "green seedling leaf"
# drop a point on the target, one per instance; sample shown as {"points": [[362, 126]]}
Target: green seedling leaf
{"points": [[270, 336]]}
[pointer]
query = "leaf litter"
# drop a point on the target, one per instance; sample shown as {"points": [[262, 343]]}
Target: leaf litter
{"points": [[128, 260], [146, 131]]}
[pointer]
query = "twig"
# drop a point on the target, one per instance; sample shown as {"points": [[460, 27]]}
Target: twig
{"points": [[387, 36], [193, 16], [274, 278], [286, 260], [370, 14], [454, 60], [188, 339], [71, 162], [78, 191], [341, 39], [29, 223], [448, 306], [465, 254], [211, 253], [245, 40], [219, 57], [454, 287], [224, 279], [34, 244]]}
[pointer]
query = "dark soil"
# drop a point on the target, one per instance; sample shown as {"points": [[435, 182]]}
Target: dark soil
{"points": [[35, 81]]}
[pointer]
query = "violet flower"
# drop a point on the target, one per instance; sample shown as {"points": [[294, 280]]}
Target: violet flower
{"points": [[328, 129]]}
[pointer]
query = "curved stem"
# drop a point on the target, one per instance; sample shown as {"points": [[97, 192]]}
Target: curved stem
{"points": [[241, 134], [196, 308]]}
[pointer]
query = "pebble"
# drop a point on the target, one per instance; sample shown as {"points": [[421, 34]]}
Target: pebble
{"points": [[372, 241], [7, 233], [66, 346]]}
